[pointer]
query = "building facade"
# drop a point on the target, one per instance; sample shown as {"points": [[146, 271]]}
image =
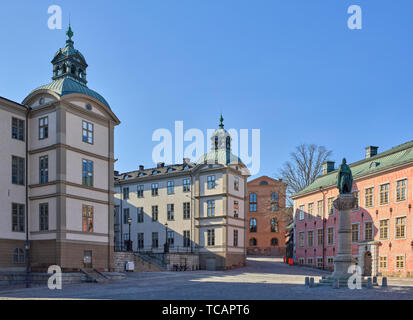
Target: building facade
{"points": [[193, 208], [267, 217], [382, 224], [57, 173]]}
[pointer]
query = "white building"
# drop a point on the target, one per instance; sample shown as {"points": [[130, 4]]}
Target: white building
{"points": [[198, 208], [56, 170]]}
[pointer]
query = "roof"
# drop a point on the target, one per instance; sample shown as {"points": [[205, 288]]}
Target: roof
{"points": [[161, 172], [67, 85], [396, 156], [221, 156]]}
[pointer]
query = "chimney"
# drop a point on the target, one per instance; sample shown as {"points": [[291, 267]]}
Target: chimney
{"points": [[327, 167], [141, 167], [371, 151], [160, 165]]}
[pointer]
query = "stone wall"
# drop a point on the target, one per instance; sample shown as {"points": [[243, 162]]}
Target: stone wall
{"points": [[174, 260], [120, 259]]}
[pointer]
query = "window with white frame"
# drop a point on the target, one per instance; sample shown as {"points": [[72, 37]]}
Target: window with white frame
{"points": [[401, 187], [368, 197], [330, 235], [384, 193], [400, 228], [384, 229], [301, 212], [87, 132], [320, 208], [368, 231]]}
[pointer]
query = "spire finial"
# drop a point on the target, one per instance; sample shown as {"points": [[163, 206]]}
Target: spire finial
{"points": [[221, 122], [69, 32]]}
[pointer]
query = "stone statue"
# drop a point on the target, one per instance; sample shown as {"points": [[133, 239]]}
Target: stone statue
{"points": [[344, 178]]}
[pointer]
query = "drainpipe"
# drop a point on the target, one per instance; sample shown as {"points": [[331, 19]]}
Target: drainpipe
{"points": [[27, 242], [324, 223]]}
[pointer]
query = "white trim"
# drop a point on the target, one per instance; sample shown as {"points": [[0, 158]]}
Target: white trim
{"points": [[395, 190], [372, 206], [388, 229], [388, 198], [395, 226], [372, 230]]}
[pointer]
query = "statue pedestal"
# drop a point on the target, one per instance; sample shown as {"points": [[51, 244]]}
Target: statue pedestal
{"points": [[344, 259]]}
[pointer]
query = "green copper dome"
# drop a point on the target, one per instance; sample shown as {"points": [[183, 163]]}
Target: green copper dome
{"points": [[67, 85]]}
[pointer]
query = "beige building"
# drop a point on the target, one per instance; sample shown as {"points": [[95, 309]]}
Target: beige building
{"points": [[193, 208], [57, 173]]}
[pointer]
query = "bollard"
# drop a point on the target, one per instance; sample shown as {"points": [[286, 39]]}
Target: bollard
{"points": [[336, 284], [384, 282], [311, 282], [369, 284], [307, 282]]}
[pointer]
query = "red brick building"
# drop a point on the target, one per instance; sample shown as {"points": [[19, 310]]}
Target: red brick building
{"points": [[382, 224], [266, 216]]}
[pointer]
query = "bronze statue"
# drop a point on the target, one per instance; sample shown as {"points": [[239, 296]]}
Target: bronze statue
{"points": [[344, 178]]}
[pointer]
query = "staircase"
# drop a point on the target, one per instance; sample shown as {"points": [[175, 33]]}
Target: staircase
{"points": [[343, 283], [93, 275], [156, 259]]}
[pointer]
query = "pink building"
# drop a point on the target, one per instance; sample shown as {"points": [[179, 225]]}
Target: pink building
{"points": [[382, 224]]}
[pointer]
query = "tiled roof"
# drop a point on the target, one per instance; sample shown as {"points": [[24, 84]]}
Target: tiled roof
{"points": [[393, 157]]}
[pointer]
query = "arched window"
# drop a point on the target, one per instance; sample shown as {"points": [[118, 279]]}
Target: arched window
{"points": [[274, 242], [253, 242], [274, 196], [216, 142], [253, 225], [253, 202], [64, 68], [73, 69], [56, 71], [228, 143], [274, 225], [274, 201]]}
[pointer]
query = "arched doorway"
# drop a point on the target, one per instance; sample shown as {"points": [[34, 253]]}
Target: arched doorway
{"points": [[367, 264]]}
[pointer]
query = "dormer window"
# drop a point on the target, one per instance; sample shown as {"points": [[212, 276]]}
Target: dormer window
{"points": [[170, 170], [155, 172], [186, 167], [141, 174]]}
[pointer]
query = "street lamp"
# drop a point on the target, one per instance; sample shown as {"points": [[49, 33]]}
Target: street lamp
{"points": [[129, 242], [166, 246]]}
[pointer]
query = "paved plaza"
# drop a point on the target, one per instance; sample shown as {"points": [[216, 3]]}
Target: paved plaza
{"points": [[263, 278]]}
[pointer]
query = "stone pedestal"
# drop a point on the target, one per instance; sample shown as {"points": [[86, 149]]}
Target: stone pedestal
{"points": [[344, 259]]}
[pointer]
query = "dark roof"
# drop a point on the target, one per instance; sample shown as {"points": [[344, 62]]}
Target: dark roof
{"points": [[398, 155], [162, 172]]}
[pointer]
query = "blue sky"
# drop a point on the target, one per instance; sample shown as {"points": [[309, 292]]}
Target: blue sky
{"points": [[289, 68]]}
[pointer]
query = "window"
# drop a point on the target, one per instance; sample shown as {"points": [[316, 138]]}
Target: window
{"points": [[399, 262], [18, 217], [87, 132], [171, 239], [400, 228], [126, 215], [155, 240], [141, 242], [140, 191], [368, 197], [87, 174], [44, 217], [274, 242], [211, 237], [310, 238], [383, 262], [310, 214], [401, 190], [187, 239], [330, 235], [384, 193], [301, 239], [319, 262], [320, 237], [187, 210], [320, 208], [235, 238], [154, 189], [384, 229], [18, 255], [253, 242], [154, 213], [274, 201], [170, 187], [171, 211], [87, 219], [140, 215], [211, 208], [368, 231], [17, 170], [17, 129], [236, 208], [43, 169], [236, 183], [253, 225], [330, 261], [125, 193], [187, 185], [43, 128], [211, 182], [253, 202], [357, 204], [355, 232], [310, 261], [301, 212], [330, 206], [274, 225]]}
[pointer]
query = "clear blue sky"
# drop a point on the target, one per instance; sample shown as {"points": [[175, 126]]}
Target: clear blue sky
{"points": [[290, 68]]}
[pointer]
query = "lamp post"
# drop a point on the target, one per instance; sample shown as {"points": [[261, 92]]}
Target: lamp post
{"points": [[166, 246], [129, 240]]}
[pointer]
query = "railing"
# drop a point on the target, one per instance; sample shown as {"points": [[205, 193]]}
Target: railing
{"points": [[171, 249]]}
